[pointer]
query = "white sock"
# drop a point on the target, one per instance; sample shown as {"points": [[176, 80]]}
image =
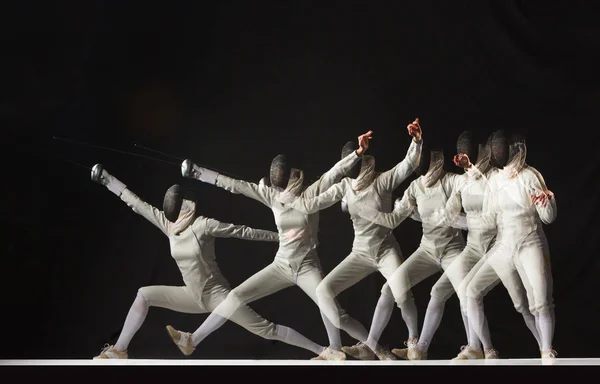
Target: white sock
{"points": [[211, 324], [465, 319], [134, 320], [381, 318], [333, 333], [409, 314], [290, 336], [531, 323], [546, 326], [478, 322], [433, 318], [472, 338]]}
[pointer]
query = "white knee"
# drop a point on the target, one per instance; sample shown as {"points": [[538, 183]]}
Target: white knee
{"points": [[440, 294], [471, 292], [542, 309], [404, 298], [141, 298], [324, 291]]}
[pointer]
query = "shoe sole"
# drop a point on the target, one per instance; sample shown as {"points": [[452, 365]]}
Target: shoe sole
{"points": [[356, 357]]}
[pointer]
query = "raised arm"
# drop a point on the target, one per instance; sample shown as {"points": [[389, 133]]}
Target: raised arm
{"points": [[261, 193], [334, 175], [403, 208], [340, 169], [150, 213], [219, 229], [314, 204], [391, 179], [543, 199]]}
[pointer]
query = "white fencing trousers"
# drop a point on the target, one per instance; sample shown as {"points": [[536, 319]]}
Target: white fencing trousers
{"points": [[495, 267], [180, 299], [532, 260], [458, 272], [353, 269], [279, 275], [423, 263]]}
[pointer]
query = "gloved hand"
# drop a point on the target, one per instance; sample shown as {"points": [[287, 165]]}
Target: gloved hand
{"points": [[100, 176], [192, 171]]}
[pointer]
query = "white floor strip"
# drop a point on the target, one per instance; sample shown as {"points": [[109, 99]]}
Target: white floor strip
{"points": [[160, 362]]}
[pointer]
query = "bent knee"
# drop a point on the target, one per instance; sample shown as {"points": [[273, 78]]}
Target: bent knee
{"points": [[472, 292], [324, 290], [387, 291], [145, 295], [541, 309], [404, 298], [441, 294], [141, 293]]}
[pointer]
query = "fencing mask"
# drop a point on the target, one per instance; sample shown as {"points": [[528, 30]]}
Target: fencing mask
{"points": [[517, 152], [178, 201], [432, 164], [484, 157], [500, 148], [347, 149], [467, 144], [279, 174]]}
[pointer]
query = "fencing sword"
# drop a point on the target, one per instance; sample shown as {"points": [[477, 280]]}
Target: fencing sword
{"points": [[114, 150], [185, 165]]}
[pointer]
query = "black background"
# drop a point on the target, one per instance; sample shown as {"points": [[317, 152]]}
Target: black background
{"points": [[232, 85]]}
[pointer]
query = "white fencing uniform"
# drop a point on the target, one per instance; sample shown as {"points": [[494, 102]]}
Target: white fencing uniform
{"points": [[521, 248], [374, 247], [469, 196], [440, 245], [296, 261], [193, 249]]}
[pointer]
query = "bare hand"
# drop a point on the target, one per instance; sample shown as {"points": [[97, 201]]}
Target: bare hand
{"points": [[414, 129], [542, 198], [462, 160], [363, 142]]}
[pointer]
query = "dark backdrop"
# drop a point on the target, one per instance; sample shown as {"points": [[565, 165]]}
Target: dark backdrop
{"points": [[231, 86]]}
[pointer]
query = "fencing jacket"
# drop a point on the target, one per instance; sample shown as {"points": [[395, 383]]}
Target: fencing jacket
{"points": [[297, 230], [194, 248]]}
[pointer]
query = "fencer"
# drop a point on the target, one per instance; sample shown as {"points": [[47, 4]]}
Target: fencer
{"points": [[519, 203], [374, 247], [192, 242], [296, 262], [439, 247]]}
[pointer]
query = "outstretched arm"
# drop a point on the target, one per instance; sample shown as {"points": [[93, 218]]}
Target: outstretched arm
{"points": [[261, 193], [150, 213], [403, 208], [258, 192], [219, 229]]}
